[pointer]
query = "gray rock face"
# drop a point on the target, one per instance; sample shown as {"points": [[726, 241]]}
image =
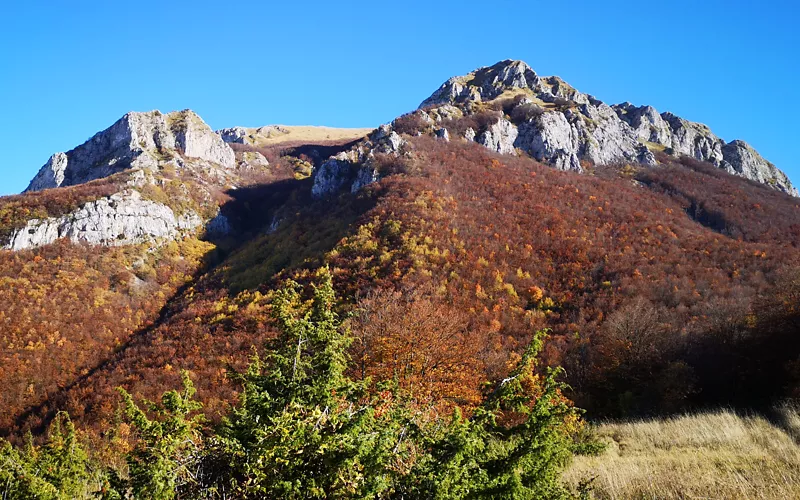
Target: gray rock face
{"points": [[235, 135], [485, 84], [741, 159], [551, 138], [332, 175], [51, 174], [356, 166], [576, 126], [137, 140], [365, 175], [646, 123], [500, 137], [218, 226], [446, 112], [443, 134], [243, 135], [120, 219], [694, 139], [253, 160]]}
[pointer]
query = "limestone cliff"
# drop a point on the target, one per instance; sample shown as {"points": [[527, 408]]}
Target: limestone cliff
{"points": [[137, 140], [121, 219]]}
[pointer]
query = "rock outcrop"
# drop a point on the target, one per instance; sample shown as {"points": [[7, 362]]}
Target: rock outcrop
{"points": [[356, 167], [121, 219], [499, 137], [741, 159], [551, 138], [137, 140], [243, 135], [563, 126], [252, 160]]}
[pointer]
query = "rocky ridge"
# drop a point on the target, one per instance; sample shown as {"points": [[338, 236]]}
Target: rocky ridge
{"points": [[137, 140], [123, 218], [555, 123], [541, 116]]}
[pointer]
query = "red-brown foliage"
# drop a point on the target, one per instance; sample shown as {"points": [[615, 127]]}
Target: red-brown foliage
{"points": [[451, 265]]}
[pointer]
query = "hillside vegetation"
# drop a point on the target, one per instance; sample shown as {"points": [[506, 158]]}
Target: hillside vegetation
{"points": [[661, 291]]}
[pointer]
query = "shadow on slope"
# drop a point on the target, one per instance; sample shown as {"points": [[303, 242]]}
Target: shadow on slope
{"points": [[197, 329]]}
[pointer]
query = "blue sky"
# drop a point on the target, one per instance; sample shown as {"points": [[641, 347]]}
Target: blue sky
{"points": [[71, 68]]}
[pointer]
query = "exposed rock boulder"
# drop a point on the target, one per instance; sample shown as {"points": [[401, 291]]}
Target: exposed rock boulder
{"points": [[646, 123], [253, 160], [446, 112], [551, 138], [234, 135], [332, 175], [367, 174], [694, 139], [218, 227], [606, 139], [485, 84], [120, 219], [443, 134], [556, 87], [137, 140], [244, 135]]}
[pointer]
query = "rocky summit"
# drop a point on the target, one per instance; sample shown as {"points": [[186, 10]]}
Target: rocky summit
{"points": [[137, 140], [555, 123]]}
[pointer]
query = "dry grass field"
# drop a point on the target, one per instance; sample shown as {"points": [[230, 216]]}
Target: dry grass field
{"points": [[710, 455], [278, 134]]}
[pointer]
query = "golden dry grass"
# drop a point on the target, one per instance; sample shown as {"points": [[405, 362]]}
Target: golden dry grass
{"points": [[711, 455], [306, 134]]}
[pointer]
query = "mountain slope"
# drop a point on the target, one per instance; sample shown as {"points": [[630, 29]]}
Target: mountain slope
{"points": [[506, 245], [667, 282]]}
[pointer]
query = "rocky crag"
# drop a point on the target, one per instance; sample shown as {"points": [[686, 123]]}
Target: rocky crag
{"points": [[166, 167], [357, 167], [555, 123], [137, 140], [124, 218]]}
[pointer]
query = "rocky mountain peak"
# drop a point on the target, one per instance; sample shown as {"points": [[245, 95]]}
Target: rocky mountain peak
{"points": [[137, 140], [485, 83], [555, 123]]}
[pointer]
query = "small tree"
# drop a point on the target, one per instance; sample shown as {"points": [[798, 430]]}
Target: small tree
{"points": [[165, 457], [60, 469], [302, 429], [513, 446]]}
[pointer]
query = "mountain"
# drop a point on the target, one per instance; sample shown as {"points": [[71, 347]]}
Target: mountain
{"points": [[663, 261], [555, 123]]}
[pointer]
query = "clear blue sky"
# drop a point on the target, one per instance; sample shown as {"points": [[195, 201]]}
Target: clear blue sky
{"points": [[71, 68]]}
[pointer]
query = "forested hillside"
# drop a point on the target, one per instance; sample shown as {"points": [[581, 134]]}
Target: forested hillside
{"points": [[429, 310], [661, 289]]}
